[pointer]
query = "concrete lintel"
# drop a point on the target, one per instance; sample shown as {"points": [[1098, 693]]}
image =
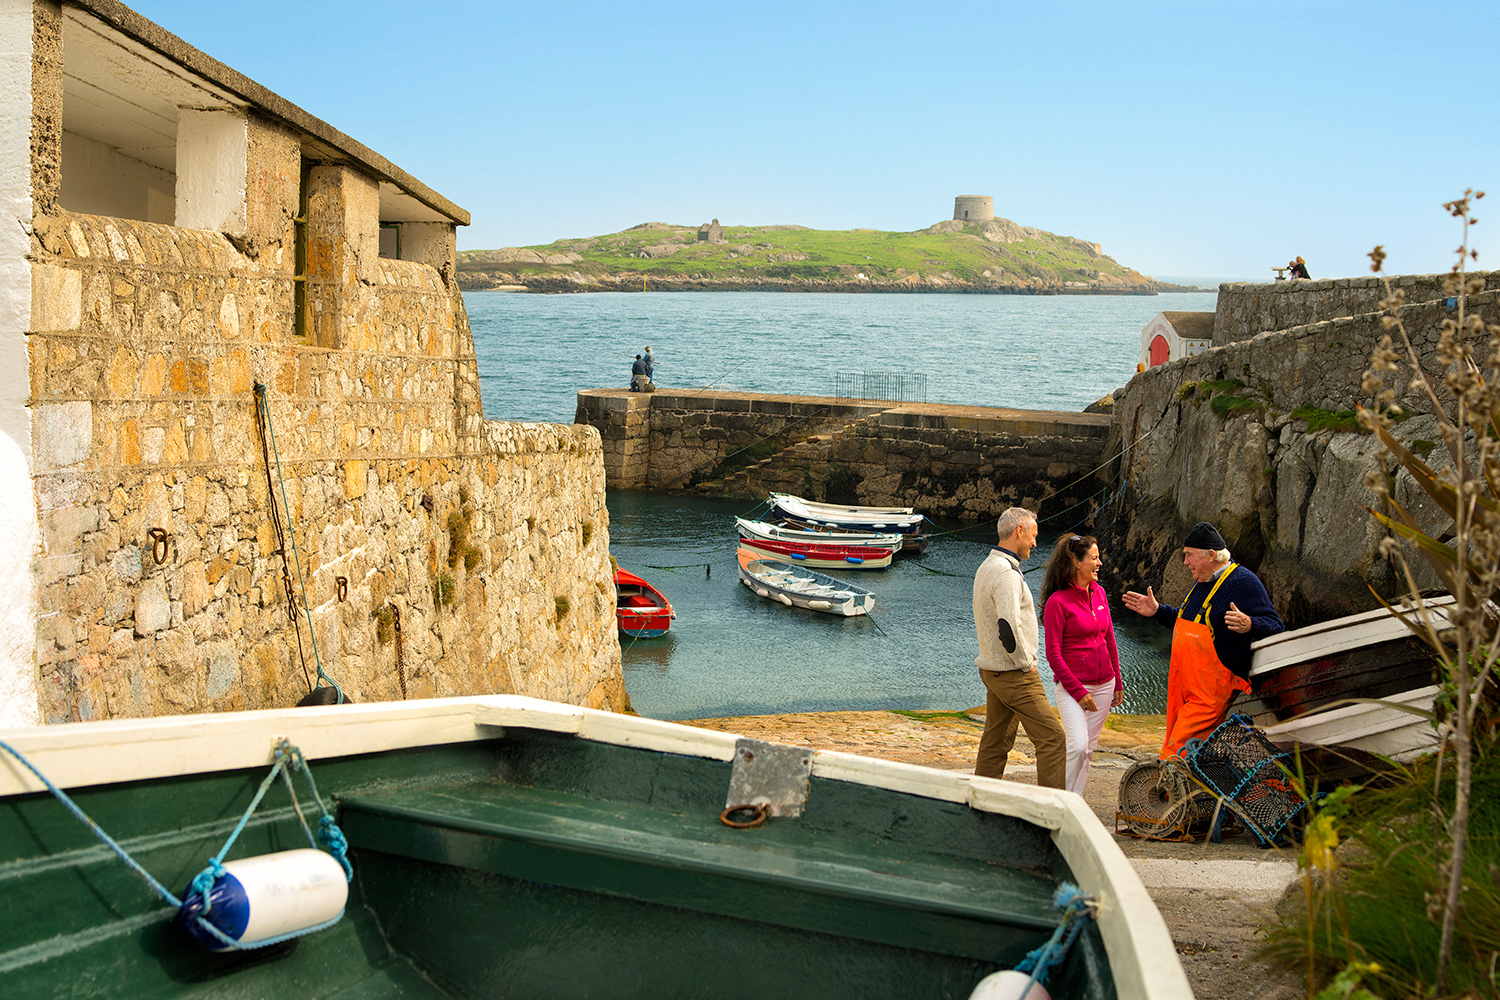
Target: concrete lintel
{"points": [[152, 35]]}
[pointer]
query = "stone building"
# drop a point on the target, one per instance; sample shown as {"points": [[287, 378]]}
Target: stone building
{"points": [[240, 431], [973, 208]]}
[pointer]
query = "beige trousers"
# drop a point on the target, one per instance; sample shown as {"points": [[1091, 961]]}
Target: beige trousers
{"points": [[1017, 698]]}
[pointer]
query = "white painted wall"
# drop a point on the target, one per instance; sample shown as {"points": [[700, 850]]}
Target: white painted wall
{"points": [[212, 152], [99, 180], [18, 523]]}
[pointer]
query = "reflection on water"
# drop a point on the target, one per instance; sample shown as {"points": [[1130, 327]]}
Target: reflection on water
{"points": [[733, 653]]}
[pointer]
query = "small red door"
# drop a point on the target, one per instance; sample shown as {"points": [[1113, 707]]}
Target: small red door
{"points": [[1159, 350]]}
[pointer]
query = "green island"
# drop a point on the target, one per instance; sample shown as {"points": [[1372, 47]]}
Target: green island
{"points": [[996, 256]]}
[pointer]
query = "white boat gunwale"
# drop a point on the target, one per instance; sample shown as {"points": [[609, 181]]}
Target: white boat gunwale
{"points": [[1142, 957], [811, 536], [1339, 635]]}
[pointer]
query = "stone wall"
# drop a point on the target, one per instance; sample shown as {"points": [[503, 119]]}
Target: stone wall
{"points": [[488, 540], [963, 462], [1291, 501], [659, 440], [1245, 309], [964, 468]]}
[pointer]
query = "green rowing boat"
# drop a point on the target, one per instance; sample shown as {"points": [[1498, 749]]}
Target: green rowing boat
{"points": [[507, 847]]}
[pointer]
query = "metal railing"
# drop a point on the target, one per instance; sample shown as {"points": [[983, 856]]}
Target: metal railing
{"points": [[896, 387]]}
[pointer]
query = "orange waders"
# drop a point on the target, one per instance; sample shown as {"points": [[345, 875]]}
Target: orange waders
{"points": [[1199, 687]]}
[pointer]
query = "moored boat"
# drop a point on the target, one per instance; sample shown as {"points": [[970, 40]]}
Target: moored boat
{"points": [[776, 579], [508, 847], [836, 517], [819, 550], [641, 611], [1301, 682]]}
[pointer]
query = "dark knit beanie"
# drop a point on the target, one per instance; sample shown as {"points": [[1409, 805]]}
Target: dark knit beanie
{"points": [[1205, 536]]}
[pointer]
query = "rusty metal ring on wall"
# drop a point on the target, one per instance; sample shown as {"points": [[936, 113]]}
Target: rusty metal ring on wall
{"points": [[158, 545], [760, 810], [341, 585]]}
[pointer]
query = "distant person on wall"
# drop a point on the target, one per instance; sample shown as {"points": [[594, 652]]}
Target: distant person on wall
{"points": [[1298, 268], [638, 375], [1226, 610], [650, 363], [1005, 620], [1080, 649]]}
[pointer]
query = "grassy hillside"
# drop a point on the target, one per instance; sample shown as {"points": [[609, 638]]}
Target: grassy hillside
{"points": [[998, 255]]}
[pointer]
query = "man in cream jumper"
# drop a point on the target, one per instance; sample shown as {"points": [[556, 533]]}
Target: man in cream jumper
{"points": [[1005, 620]]}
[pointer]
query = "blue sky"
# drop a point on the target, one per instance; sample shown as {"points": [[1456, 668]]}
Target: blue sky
{"points": [[1212, 139]]}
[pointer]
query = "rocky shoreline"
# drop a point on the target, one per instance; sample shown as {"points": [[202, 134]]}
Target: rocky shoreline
{"points": [[479, 281]]}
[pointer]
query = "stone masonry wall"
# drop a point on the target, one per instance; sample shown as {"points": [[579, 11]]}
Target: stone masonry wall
{"points": [[1246, 309], [965, 469], [488, 540], [965, 463], [658, 440]]}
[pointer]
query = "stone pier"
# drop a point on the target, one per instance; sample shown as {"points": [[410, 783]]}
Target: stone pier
{"points": [[963, 462]]}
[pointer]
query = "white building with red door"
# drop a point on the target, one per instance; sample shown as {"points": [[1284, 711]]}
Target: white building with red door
{"points": [[1172, 335]]}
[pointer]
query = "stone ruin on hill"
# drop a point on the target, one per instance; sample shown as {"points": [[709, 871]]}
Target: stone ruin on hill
{"points": [[711, 232]]}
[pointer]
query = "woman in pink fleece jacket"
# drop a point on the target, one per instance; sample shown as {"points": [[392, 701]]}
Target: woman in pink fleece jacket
{"points": [[1080, 649]]}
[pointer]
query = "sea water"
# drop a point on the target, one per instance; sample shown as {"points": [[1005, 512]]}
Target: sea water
{"points": [[733, 653]]}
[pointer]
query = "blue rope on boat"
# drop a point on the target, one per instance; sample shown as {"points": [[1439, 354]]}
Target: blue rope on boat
{"points": [[288, 758], [1078, 910], [83, 818]]}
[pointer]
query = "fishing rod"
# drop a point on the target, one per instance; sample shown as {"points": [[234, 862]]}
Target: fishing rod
{"points": [[728, 373]]}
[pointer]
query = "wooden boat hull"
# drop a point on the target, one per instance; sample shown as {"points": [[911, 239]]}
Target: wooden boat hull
{"points": [[788, 533], [909, 542], [1302, 680], [641, 611], [507, 847], [819, 556], [793, 585], [900, 520]]}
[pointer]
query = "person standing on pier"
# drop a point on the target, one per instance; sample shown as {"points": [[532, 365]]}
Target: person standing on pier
{"points": [[1080, 649], [1225, 611], [1006, 623]]}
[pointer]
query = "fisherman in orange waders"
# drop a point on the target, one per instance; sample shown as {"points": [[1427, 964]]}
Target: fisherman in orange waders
{"points": [[1225, 612]]}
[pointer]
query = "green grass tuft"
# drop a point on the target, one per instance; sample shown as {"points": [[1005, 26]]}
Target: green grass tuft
{"points": [[1224, 404], [1338, 421]]}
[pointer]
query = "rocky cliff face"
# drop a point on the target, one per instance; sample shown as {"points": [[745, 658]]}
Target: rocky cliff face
{"points": [[1259, 437]]}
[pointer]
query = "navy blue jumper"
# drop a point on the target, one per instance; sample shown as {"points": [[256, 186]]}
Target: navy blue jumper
{"points": [[1244, 590]]}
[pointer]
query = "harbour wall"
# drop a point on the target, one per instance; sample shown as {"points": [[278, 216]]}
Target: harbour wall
{"points": [[1245, 309], [436, 553], [963, 462]]}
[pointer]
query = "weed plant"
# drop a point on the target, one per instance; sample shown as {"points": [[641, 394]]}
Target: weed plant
{"points": [[1381, 904]]}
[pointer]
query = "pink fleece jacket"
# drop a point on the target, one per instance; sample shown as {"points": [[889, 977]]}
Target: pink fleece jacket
{"points": [[1081, 639]]}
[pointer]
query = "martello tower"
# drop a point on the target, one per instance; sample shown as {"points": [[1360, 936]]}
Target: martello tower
{"points": [[973, 208]]}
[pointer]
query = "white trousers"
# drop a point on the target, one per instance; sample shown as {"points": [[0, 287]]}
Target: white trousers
{"points": [[1082, 730]]}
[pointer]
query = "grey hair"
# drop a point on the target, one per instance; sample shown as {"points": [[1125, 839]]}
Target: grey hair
{"points": [[1013, 519], [1221, 556]]}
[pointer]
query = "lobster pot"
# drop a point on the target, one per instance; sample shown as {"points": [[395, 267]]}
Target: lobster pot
{"points": [[270, 896]]}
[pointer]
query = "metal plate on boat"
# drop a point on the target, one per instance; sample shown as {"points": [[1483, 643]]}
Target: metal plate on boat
{"points": [[770, 775]]}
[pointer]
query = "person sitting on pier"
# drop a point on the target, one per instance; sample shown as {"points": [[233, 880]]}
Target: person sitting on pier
{"points": [[1298, 268], [638, 375], [1225, 611]]}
